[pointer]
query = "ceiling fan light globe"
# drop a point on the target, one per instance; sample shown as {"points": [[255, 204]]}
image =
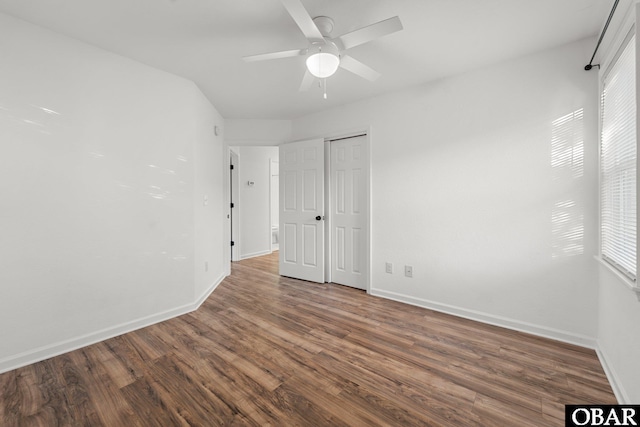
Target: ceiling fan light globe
{"points": [[323, 64]]}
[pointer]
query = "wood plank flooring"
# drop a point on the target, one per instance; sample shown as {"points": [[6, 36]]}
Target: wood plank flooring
{"points": [[270, 351]]}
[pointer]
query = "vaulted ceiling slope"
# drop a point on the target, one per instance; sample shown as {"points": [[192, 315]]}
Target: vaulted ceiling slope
{"points": [[204, 41]]}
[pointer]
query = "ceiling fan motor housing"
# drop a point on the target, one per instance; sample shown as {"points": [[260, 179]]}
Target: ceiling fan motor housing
{"points": [[324, 24]]}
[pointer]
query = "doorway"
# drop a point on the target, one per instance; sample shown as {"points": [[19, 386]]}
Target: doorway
{"points": [[325, 210]]}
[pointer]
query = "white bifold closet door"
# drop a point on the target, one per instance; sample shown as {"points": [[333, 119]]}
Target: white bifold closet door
{"points": [[349, 211], [303, 175]]}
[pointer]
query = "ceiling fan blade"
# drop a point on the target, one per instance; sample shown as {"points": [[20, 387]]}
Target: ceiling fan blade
{"points": [[275, 55], [303, 19], [358, 68], [307, 81], [368, 33]]}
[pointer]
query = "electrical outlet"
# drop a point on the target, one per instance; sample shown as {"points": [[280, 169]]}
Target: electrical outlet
{"points": [[408, 271], [389, 267]]}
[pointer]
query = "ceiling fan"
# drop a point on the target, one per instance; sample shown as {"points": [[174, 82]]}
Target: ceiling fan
{"points": [[324, 53]]}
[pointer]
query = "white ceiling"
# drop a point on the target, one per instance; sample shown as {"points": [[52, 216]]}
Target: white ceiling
{"points": [[204, 40]]}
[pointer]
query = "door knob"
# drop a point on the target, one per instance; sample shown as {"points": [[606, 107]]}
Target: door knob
{"points": [[318, 218]]}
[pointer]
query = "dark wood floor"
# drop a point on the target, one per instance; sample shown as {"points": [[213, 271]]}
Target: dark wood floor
{"points": [[265, 350]]}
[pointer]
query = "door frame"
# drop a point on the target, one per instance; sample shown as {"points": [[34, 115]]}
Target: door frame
{"points": [[234, 197], [327, 210], [274, 166]]}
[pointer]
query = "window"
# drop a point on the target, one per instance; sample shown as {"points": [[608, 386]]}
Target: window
{"points": [[618, 159]]}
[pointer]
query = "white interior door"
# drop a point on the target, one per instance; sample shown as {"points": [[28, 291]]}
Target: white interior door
{"points": [[349, 212], [301, 253]]}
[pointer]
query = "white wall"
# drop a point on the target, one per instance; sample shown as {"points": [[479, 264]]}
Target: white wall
{"points": [[250, 132], [619, 307], [619, 335], [254, 205], [486, 184], [101, 183], [211, 204]]}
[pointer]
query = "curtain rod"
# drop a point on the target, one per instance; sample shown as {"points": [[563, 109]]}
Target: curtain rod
{"points": [[590, 65]]}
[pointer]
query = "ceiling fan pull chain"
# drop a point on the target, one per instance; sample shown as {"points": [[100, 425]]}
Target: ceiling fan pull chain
{"points": [[325, 88]]}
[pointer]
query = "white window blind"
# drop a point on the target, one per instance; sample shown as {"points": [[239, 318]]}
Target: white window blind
{"points": [[618, 159]]}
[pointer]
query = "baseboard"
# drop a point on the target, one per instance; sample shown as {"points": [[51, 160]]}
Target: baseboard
{"points": [[616, 384], [541, 331], [56, 349], [209, 291], [254, 254]]}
